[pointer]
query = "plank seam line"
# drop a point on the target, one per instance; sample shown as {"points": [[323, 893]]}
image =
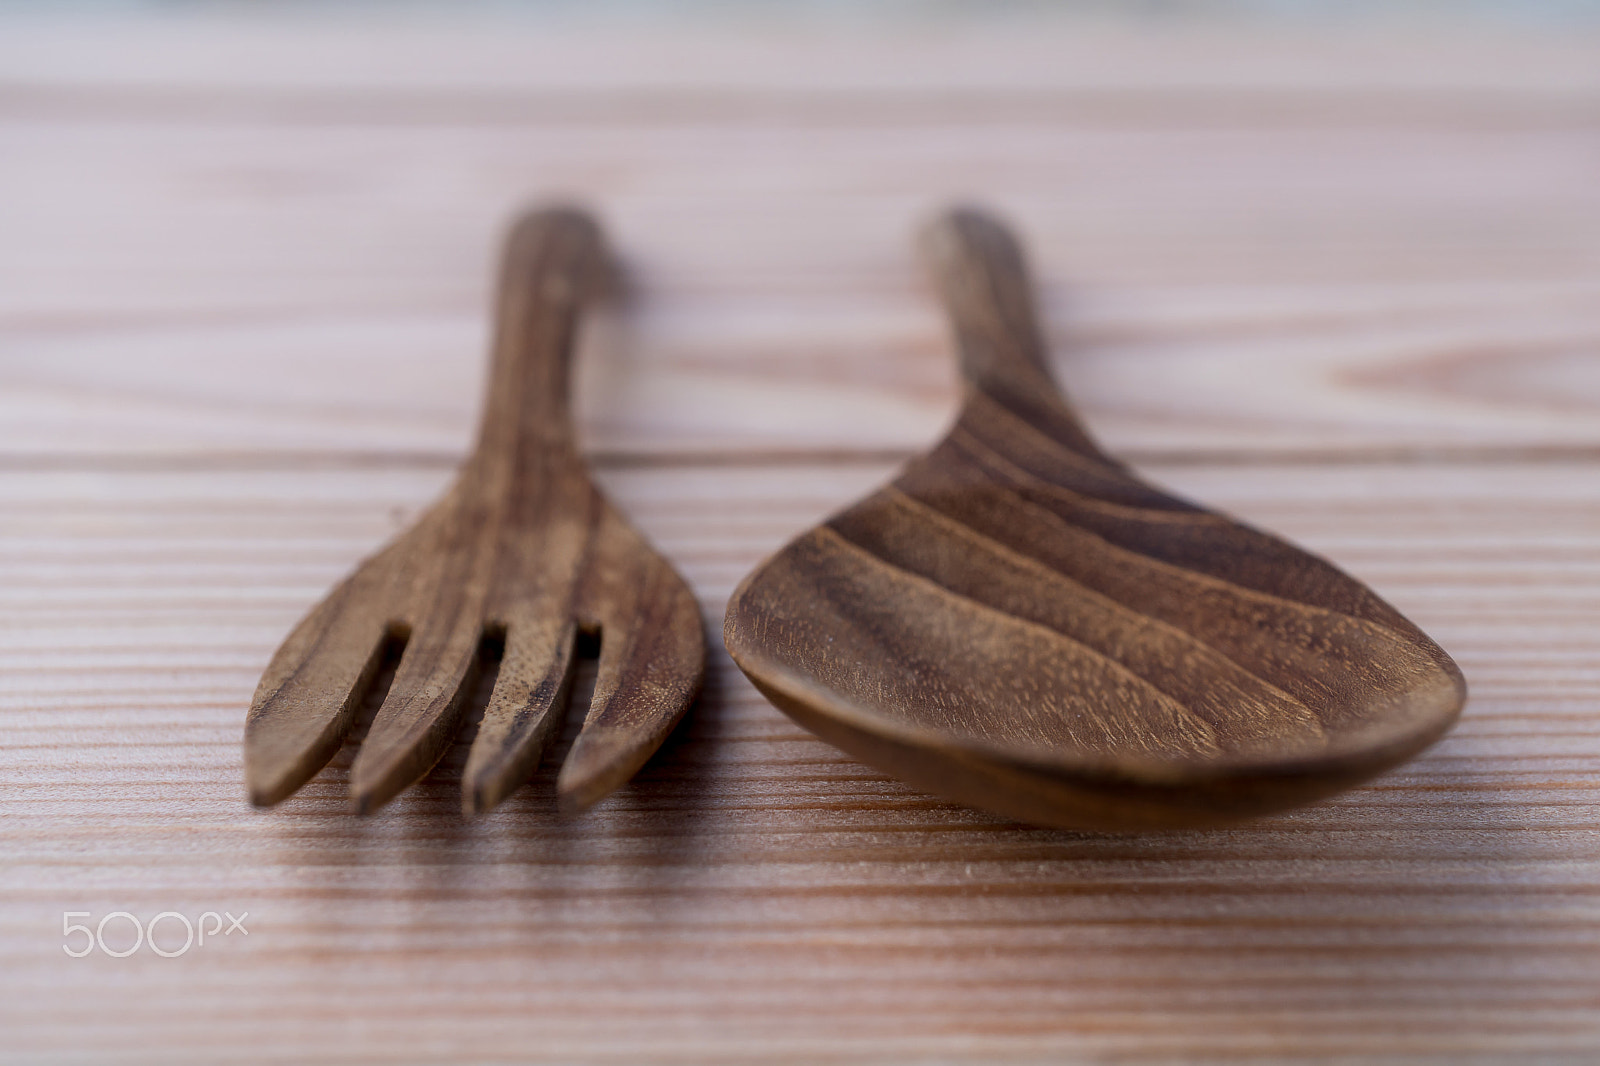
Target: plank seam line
{"points": [[734, 456]]}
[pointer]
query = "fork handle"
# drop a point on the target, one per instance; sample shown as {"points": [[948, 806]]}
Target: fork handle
{"points": [[554, 260]]}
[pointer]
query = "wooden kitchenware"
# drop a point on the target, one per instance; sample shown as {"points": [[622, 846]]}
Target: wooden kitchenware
{"points": [[1020, 623], [522, 552]]}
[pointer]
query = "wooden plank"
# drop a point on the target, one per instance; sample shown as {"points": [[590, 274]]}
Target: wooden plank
{"points": [[1159, 373], [755, 894], [915, 47], [211, 248]]}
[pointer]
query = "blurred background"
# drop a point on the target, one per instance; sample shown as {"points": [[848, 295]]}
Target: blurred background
{"points": [[294, 208]]}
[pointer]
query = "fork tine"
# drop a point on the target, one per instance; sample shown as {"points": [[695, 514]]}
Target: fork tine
{"points": [[652, 661], [308, 696], [530, 697], [419, 715]]}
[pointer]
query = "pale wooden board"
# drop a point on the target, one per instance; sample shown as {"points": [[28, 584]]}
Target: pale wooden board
{"points": [[1343, 282], [229, 238], [755, 886], [1240, 370]]}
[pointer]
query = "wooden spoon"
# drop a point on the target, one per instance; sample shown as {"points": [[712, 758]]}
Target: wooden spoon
{"points": [[523, 551], [1019, 623]]}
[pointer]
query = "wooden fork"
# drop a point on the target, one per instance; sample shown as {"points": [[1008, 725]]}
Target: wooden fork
{"points": [[523, 549]]}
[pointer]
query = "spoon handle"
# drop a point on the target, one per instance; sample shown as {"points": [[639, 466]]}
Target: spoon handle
{"points": [[981, 275], [554, 261]]}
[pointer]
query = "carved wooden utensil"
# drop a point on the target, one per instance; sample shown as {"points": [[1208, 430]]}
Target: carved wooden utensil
{"points": [[523, 550], [1019, 623]]}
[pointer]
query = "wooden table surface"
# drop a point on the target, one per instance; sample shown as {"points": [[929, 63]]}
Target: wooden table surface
{"points": [[1344, 283]]}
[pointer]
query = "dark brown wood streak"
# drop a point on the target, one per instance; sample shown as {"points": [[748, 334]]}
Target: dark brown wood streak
{"points": [[1019, 623], [522, 548]]}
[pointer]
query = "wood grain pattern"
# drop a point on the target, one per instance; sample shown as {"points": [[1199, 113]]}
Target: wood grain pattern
{"points": [[1397, 290], [522, 551], [1019, 623], [1340, 284], [754, 893]]}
